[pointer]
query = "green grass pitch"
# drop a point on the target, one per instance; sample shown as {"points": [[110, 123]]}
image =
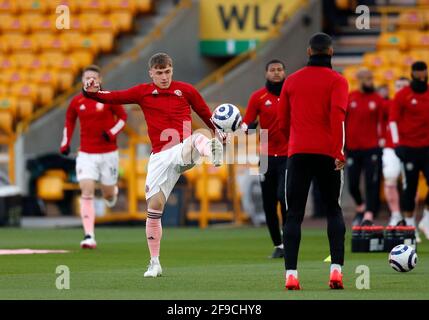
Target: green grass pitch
{"points": [[217, 263]]}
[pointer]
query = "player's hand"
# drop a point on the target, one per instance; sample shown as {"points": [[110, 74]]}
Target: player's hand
{"points": [[91, 85], [65, 151], [339, 164]]}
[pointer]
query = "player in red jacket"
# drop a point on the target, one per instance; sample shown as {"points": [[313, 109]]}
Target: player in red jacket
{"points": [[311, 114], [166, 105], [409, 118], [364, 139], [98, 157], [263, 104]]}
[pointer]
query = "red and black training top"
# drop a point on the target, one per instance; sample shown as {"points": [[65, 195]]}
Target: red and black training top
{"points": [[264, 104], [312, 110]]}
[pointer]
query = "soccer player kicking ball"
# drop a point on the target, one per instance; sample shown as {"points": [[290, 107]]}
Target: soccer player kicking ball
{"points": [[166, 105], [98, 157]]}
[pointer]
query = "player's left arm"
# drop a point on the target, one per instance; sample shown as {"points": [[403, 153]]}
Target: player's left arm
{"points": [[283, 111], [339, 101], [121, 115]]}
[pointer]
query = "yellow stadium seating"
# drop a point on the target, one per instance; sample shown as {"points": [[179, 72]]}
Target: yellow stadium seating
{"points": [[77, 40], [19, 42], [45, 77], [94, 6], [80, 24], [45, 94], [124, 5], [13, 76], [3, 87], [13, 24], [65, 79], [384, 75], [375, 60], [6, 122], [141, 188], [124, 20], [50, 188], [144, 5], [51, 42], [60, 61], [413, 20], [25, 107], [392, 40], [9, 104], [56, 173], [73, 5], [39, 6], [104, 40], [213, 189], [6, 62], [27, 60], [8, 6], [419, 40], [40, 23], [83, 57], [25, 90]]}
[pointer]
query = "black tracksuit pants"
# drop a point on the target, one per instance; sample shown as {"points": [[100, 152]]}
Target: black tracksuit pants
{"points": [[273, 192], [301, 169], [369, 161], [413, 160]]}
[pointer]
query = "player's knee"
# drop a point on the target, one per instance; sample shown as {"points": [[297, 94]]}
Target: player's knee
{"points": [[390, 181]]}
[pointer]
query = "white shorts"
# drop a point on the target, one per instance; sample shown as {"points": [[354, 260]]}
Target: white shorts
{"points": [[164, 169], [101, 167], [391, 164]]}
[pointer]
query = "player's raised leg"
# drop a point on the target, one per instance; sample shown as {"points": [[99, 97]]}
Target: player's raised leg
{"points": [[87, 212], [109, 169], [199, 145]]}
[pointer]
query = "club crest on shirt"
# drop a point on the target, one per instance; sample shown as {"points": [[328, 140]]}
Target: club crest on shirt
{"points": [[414, 101], [99, 106], [155, 92], [353, 104], [82, 107], [372, 105], [178, 93], [268, 103]]}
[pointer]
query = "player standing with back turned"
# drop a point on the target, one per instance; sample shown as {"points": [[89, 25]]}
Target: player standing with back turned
{"points": [[311, 113]]}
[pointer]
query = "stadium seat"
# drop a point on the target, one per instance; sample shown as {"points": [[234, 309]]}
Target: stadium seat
{"points": [[45, 77], [50, 42], [104, 40], [392, 40], [392, 56], [124, 20], [213, 189], [77, 23], [25, 107], [105, 23], [13, 24], [40, 23], [14, 76], [141, 188], [21, 43], [124, 5], [413, 20], [25, 90], [144, 6], [6, 122], [73, 5], [3, 87], [50, 188], [82, 57], [78, 41], [28, 61], [9, 104], [99, 6], [8, 6], [39, 6], [60, 62], [65, 79], [56, 173], [384, 75], [45, 94], [6, 62], [419, 40], [375, 60]]}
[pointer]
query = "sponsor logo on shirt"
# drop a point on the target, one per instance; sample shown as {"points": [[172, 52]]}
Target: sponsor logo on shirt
{"points": [[99, 106], [178, 93], [155, 92], [372, 105], [268, 103], [414, 101], [353, 104], [82, 107]]}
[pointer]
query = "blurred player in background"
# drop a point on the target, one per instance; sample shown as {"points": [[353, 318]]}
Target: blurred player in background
{"points": [[166, 105], [409, 118], [98, 158], [263, 104], [311, 114], [392, 164], [364, 139]]}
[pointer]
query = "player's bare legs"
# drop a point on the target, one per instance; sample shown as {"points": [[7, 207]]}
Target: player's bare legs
{"points": [[155, 207], [87, 212], [110, 194]]}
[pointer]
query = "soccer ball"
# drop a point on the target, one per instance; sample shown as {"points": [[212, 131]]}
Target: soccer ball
{"points": [[226, 117], [403, 258]]}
